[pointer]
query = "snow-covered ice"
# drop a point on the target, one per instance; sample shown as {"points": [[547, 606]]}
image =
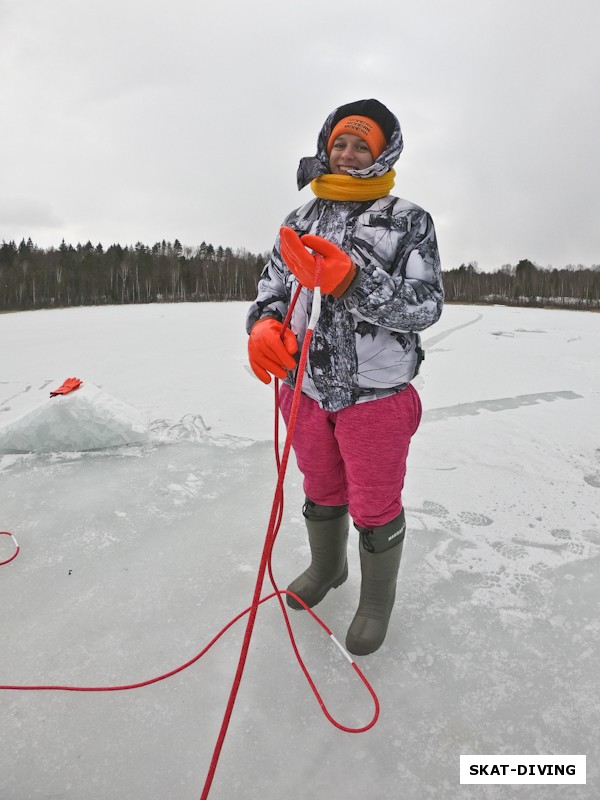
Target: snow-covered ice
{"points": [[133, 557], [86, 418]]}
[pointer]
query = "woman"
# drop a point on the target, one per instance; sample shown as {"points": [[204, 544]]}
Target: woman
{"points": [[381, 284]]}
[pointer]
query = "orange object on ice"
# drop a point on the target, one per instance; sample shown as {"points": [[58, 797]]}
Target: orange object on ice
{"points": [[68, 386]]}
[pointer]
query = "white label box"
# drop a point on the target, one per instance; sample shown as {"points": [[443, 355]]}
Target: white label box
{"points": [[526, 768]]}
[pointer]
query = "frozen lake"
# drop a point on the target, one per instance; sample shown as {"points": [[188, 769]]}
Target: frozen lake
{"points": [[133, 558]]}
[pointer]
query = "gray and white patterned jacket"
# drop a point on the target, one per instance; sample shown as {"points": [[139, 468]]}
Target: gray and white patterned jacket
{"points": [[366, 344]]}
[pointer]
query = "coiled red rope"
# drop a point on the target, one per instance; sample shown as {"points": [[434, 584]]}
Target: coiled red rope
{"points": [[16, 544], [264, 566]]}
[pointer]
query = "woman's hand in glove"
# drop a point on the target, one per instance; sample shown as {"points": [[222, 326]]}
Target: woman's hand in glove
{"points": [[337, 270], [268, 352]]}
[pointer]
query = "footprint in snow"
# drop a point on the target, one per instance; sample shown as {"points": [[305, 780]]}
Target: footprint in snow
{"points": [[510, 551], [560, 533], [593, 480], [576, 548], [539, 568], [472, 518], [592, 536], [432, 509], [477, 520]]}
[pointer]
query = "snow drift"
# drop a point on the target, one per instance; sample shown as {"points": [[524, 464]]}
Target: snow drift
{"points": [[85, 419]]}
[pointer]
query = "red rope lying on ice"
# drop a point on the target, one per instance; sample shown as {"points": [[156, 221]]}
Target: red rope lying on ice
{"points": [[17, 548]]}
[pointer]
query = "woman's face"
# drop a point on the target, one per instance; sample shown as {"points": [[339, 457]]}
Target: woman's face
{"points": [[349, 152]]}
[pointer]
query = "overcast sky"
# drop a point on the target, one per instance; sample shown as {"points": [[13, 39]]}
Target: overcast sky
{"points": [[137, 120]]}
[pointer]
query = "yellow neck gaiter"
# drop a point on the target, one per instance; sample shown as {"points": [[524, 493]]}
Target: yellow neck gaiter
{"points": [[347, 187]]}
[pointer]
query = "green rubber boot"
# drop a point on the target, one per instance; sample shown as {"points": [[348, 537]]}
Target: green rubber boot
{"points": [[380, 553], [328, 538]]}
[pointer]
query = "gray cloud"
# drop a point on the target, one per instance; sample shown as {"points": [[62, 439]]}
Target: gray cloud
{"points": [[24, 213], [126, 121]]}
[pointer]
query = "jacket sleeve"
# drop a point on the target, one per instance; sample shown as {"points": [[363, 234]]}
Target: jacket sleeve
{"points": [[405, 294]]}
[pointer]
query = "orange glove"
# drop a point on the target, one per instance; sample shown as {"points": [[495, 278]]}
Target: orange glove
{"points": [[268, 352], [337, 270], [68, 386]]}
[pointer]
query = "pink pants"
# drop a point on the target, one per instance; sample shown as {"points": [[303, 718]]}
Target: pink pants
{"points": [[356, 455]]}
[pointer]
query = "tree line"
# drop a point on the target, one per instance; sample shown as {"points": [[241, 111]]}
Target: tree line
{"points": [[525, 284], [32, 277]]}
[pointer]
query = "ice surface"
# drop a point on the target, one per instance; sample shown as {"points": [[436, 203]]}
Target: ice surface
{"points": [[133, 558], [85, 419]]}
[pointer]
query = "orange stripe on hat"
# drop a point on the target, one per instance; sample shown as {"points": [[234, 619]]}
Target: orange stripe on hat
{"points": [[366, 128]]}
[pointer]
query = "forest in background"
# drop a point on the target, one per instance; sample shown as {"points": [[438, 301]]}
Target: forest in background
{"points": [[84, 275], [167, 272]]}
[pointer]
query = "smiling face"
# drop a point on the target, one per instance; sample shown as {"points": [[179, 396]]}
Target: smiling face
{"points": [[349, 152]]}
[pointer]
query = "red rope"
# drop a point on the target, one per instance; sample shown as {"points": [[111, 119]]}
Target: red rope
{"points": [[141, 684], [17, 548]]}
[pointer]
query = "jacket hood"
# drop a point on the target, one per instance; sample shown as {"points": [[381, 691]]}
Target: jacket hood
{"points": [[312, 167]]}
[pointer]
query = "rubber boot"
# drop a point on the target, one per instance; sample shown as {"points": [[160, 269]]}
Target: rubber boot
{"points": [[380, 553], [328, 538]]}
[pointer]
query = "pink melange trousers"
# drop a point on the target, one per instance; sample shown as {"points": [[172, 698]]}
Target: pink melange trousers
{"points": [[357, 455]]}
